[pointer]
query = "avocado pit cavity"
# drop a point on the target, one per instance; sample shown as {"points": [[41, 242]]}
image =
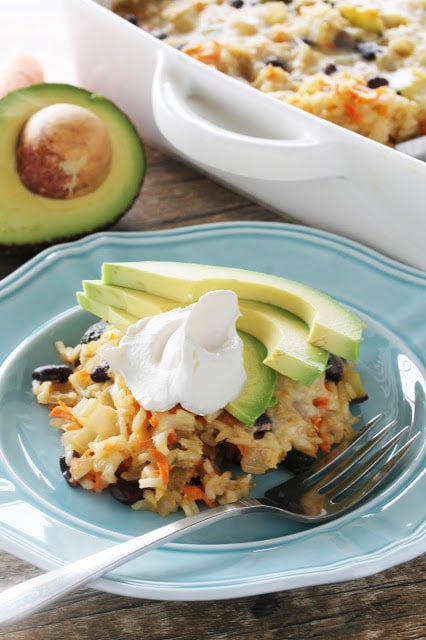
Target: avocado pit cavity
{"points": [[63, 151]]}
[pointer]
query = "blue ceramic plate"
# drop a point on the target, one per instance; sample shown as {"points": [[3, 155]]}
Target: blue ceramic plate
{"points": [[44, 521]]}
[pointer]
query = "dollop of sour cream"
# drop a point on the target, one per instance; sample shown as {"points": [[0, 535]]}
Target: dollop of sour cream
{"points": [[192, 356]]}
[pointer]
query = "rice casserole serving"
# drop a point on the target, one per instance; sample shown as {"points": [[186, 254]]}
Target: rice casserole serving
{"points": [[360, 64], [163, 461], [166, 460]]}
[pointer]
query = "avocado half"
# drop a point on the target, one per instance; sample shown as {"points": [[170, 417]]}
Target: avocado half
{"points": [[30, 221]]}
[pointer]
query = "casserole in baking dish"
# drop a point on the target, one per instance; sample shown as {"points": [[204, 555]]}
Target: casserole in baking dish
{"points": [[360, 65], [305, 166]]}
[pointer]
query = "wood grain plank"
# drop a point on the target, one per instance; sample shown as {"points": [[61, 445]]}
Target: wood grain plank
{"points": [[390, 605]]}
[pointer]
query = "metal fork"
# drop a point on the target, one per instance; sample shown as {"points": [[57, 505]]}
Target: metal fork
{"points": [[332, 486]]}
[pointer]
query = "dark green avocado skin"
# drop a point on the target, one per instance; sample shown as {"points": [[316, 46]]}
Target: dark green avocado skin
{"points": [[28, 251], [99, 213]]}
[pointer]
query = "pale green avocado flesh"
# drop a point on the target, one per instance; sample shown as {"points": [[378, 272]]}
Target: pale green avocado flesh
{"points": [[258, 390], [257, 393], [137, 303], [27, 219], [118, 317], [332, 326], [283, 334], [285, 337]]}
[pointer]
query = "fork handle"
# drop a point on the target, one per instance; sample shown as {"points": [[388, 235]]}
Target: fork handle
{"points": [[30, 596]]}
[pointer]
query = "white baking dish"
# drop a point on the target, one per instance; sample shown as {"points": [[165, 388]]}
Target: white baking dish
{"points": [[318, 173]]}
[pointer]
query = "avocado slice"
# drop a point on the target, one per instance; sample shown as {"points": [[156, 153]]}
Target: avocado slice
{"points": [[137, 303], [256, 395], [332, 326], [31, 220], [285, 338], [283, 334], [118, 317], [258, 390]]}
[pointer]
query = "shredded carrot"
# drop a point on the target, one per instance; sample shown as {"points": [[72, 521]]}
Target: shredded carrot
{"points": [[163, 466], [99, 484], [208, 56], [353, 112], [271, 72], [196, 493], [316, 421], [325, 446], [172, 438], [62, 410], [208, 52], [243, 449], [195, 49], [154, 419], [320, 401], [279, 36]]}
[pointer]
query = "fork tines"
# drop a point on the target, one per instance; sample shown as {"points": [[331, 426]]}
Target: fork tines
{"points": [[355, 464]]}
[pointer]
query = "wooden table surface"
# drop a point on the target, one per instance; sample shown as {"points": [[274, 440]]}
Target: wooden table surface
{"points": [[387, 606]]}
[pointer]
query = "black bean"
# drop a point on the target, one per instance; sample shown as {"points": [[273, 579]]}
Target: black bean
{"points": [[159, 34], [227, 453], [130, 17], [297, 461], [126, 491], [237, 4], [330, 68], [52, 373], [65, 470], [368, 50], [344, 40], [376, 82], [276, 62], [309, 42], [263, 420], [94, 332], [100, 372], [334, 370], [262, 425]]}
